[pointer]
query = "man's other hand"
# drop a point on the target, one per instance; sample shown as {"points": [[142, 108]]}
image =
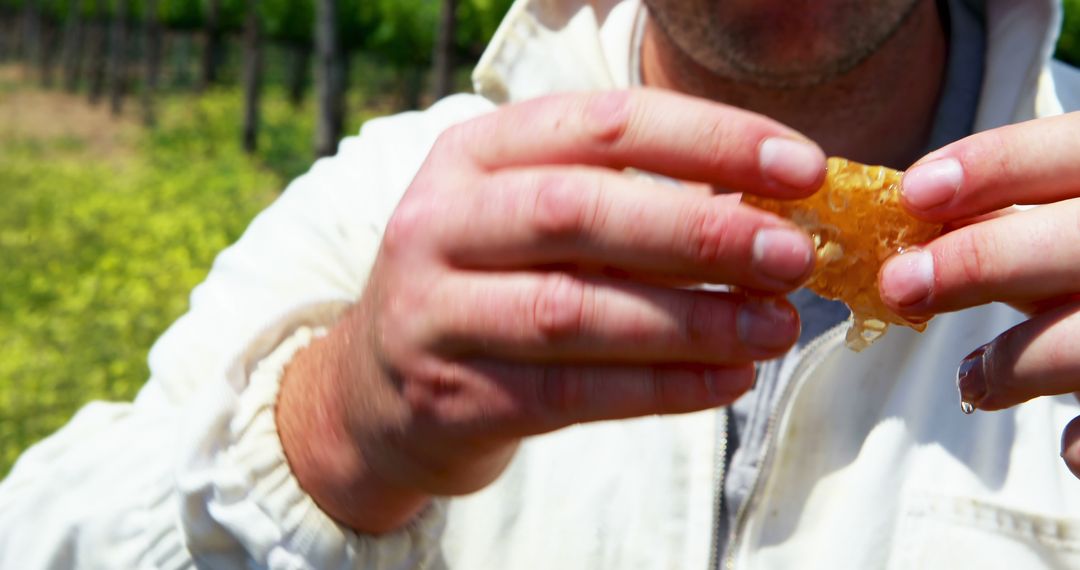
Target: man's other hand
{"points": [[1028, 258]]}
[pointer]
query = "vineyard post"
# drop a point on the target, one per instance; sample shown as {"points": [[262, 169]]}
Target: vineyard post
{"points": [[212, 45], [74, 34], [252, 75], [329, 82], [116, 70], [152, 42], [443, 57]]}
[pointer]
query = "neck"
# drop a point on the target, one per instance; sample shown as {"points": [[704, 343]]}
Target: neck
{"points": [[881, 112]]}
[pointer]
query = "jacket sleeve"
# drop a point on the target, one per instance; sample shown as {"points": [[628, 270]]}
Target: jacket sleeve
{"points": [[192, 472]]}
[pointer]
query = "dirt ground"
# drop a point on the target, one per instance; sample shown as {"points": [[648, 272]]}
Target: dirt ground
{"points": [[31, 113]]}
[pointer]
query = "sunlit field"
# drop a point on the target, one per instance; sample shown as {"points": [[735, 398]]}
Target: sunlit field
{"points": [[105, 227]]}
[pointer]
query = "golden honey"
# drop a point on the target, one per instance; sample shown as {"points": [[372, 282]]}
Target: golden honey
{"points": [[856, 222]]}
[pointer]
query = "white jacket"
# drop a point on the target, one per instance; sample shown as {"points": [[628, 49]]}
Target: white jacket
{"points": [[871, 464]]}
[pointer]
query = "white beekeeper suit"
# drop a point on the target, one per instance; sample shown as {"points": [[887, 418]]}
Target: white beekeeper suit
{"points": [[868, 462]]}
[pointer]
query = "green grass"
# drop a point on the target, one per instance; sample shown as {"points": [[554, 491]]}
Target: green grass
{"points": [[1068, 48], [98, 255]]}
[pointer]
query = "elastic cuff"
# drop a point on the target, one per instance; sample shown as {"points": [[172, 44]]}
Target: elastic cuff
{"points": [[297, 533]]}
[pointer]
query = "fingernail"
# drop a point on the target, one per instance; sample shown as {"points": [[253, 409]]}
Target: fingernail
{"points": [[932, 184], [782, 254], [907, 279], [792, 163], [766, 325], [970, 381]]}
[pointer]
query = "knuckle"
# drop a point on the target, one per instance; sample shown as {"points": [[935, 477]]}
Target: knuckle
{"points": [[455, 138], [560, 306], [402, 328], [561, 209], [445, 144], [454, 148], [672, 393], [974, 254], [987, 154], [701, 320], [425, 387], [561, 394], [409, 221], [707, 234], [606, 117], [635, 328], [1002, 161], [716, 140]]}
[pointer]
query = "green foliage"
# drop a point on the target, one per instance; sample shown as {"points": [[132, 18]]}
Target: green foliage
{"points": [[1068, 48], [99, 255], [55, 10], [404, 30], [356, 18], [288, 20], [181, 14], [401, 32], [477, 21], [232, 14]]}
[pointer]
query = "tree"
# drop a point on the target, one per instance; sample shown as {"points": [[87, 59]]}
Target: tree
{"points": [[31, 32], [329, 84], [9, 35], [291, 23], [152, 31], [252, 75], [184, 21], [53, 14], [116, 70], [299, 69], [74, 34], [98, 45], [212, 44], [445, 62], [404, 34]]}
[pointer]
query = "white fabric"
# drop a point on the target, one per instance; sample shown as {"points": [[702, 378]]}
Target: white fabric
{"points": [[875, 467]]}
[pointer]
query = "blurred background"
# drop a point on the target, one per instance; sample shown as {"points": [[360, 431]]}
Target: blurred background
{"points": [[139, 137]]}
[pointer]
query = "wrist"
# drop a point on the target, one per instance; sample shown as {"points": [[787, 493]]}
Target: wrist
{"points": [[325, 457]]}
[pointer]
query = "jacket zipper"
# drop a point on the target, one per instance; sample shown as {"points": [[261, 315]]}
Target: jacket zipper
{"points": [[812, 355], [720, 464]]}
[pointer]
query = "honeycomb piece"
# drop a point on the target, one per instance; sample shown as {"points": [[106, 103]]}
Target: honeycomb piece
{"points": [[856, 222]]}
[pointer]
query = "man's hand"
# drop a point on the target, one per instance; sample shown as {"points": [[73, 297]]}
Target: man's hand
{"points": [[1030, 259], [525, 283]]}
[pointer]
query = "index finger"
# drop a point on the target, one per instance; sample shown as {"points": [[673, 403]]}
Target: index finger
{"points": [[1028, 163], [648, 129]]}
